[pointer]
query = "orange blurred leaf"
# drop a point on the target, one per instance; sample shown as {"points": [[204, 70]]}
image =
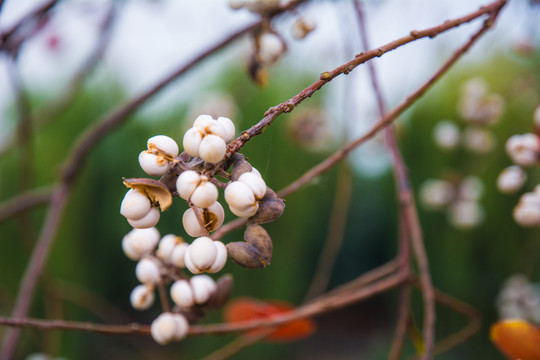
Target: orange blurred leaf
{"points": [[245, 309], [517, 339]]}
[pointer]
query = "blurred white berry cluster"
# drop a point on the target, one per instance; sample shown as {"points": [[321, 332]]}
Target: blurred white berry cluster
{"points": [[479, 109], [269, 45], [460, 195], [524, 151], [459, 198], [519, 299], [193, 176]]}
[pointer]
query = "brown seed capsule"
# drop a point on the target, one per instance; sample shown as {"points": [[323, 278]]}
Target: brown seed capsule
{"points": [[222, 293], [256, 252], [240, 167], [270, 208]]}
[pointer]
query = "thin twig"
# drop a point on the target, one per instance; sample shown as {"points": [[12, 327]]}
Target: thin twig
{"points": [[323, 305], [459, 306], [228, 227], [35, 267], [287, 106], [199, 216], [236, 346], [25, 152], [329, 162], [129, 329], [104, 310], [163, 297], [363, 280], [13, 38], [403, 300], [25, 201], [405, 205], [335, 234]]}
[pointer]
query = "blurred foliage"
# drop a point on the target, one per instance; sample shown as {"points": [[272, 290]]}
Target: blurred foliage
{"points": [[470, 265]]}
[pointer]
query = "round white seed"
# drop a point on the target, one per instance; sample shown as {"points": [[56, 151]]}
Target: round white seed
{"points": [[204, 195], [135, 205], [142, 297], [147, 271], [164, 144], [149, 220], [212, 149], [151, 164]]}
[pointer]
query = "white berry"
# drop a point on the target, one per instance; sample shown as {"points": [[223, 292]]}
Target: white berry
{"points": [[203, 287], [182, 294], [212, 149], [192, 140], [151, 164], [478, 140], [168, 327], [446, 134], [149, 220], [166, 246], [255, 183], [182, 327], [204, 195], [138, 242], [436, 194], [202, 252], [178, 255], [270, 48], [511, 179], [229, 128], [163, 144], [471, 188], [205, 254], [221, 257], [212, 218], [241, 199], [527, 215], [142, 297], [135, 205], [147, 271], [537, 117], [187, 182], [466, 214], [523, 149], [202, 122]]}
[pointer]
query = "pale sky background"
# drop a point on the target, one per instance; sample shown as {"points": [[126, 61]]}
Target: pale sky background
{"points": [[151, 38]]}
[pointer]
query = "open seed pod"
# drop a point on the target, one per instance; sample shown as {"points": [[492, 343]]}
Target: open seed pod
{"points": [[158, 193], [270, 208], [256, 252]]}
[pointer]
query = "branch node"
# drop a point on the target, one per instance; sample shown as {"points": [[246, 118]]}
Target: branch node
{"points": [[325, 76]]}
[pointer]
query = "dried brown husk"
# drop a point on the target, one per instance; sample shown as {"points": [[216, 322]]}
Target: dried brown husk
{"points": [[255, 252], [158, 193], [270, 208]]}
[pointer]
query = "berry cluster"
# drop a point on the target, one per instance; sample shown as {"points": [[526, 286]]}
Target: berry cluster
{"points": [[162, 261], [519, 299], [269, 45], [524, 151], [459, 195], [460, 198], [479, 109]]}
